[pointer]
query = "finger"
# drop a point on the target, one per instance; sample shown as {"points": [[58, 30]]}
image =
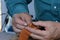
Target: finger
{"points": [[19, 21], [36, 31], [20, 26], [34, 36], [28, 19], [16, 30], [40, 23]]}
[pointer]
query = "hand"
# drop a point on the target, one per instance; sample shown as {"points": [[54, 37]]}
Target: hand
{"points": [[19, 21], [51, 32]]}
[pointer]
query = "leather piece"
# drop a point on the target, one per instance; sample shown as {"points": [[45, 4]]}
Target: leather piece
{"points": [[25, 34]]}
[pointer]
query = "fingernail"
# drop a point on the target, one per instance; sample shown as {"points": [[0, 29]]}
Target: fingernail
{"points": [[25, 24]]}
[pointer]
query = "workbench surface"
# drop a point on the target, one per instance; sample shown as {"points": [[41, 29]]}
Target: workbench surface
{"points": [[6, 36]]}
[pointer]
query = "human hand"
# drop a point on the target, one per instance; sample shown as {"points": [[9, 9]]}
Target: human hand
{"points": [[51, 32], [19, 21]]}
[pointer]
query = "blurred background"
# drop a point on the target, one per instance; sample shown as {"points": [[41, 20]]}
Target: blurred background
{"points": [[0, 15]]}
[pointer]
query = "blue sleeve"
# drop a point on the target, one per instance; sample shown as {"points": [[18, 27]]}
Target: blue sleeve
{"points": [[17, 6]]}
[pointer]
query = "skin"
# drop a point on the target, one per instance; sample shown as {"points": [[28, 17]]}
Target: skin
{"points": [[52, 29], [19, 21]]}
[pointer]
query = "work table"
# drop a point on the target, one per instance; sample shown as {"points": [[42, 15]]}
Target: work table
{"points": [[6, 36]]}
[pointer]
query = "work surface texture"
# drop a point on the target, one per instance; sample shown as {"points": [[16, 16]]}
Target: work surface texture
{"points": [[6, 36]]}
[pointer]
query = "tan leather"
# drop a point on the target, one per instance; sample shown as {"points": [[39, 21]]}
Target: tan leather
{"points": [[24, 35]]}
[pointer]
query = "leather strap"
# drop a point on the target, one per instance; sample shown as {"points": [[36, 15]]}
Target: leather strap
{"points": [[24, 35]]}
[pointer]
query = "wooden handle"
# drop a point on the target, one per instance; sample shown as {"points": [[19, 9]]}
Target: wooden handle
{"points": [[24, 35]]}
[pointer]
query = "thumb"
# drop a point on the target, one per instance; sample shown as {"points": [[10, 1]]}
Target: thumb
{"points": [[41, 23], [28, 19]]}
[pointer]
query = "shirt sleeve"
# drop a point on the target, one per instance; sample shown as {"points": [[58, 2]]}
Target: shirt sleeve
{"points": [[17, 6]]}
